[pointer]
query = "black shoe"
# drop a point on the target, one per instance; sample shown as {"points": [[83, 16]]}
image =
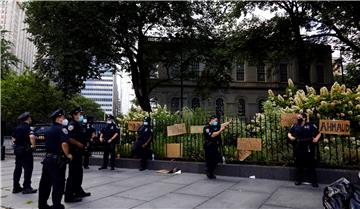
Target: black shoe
{"points": [[315, 185], [101, 168], [86, 167], [142, 169], [72, 199], [211, 176], [17, 190], [84, 194], [297, 183], [112, 168], [45, 207], [29, 191]]}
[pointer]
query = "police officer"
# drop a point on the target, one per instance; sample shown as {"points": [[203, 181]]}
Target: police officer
{"points": [[24, 143], [212, 136], [54, 163], [305, 137], [142, 143], [90, 135], [74, 192], [110, 137]]}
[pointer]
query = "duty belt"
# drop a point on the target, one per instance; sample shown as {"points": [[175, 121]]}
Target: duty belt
{"points": [[50, 155]]}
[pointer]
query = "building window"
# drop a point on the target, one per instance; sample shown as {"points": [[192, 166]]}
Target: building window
{"points": [[195, 69], [320, 73], [240, 72], [174, 72], [219, 104], [283, 73], [261, 105], [304, 74], [261, 72], [175, 104], [241, 107], [154, 71], [195, 103]]}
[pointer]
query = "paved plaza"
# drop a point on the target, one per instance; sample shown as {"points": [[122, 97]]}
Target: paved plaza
{"points": [[130, 188]]}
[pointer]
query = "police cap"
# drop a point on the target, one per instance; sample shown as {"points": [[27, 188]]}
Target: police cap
{"points": [[76, 110], [57, 113], [215, 116], [109, 116], [24, 116]]}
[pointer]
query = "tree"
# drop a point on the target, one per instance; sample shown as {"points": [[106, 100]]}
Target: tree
{"points": [[30, 92], [76, 40], [351, 76], [9, 61]]}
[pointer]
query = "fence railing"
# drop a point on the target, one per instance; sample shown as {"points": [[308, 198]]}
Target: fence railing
{"points": [[332, 150]]}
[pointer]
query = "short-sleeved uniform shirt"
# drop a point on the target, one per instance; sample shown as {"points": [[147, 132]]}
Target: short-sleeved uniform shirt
{"points": [[144, 133], [54, 137], [76, 131], [22, 134], [109, 131], [304, 133], [208, 131]]}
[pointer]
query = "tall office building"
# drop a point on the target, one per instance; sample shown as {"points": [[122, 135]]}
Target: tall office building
{"points": [[12, 16], [103, 91]]}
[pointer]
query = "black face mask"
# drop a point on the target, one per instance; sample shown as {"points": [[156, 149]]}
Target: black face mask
{"points": [[300, 120]]}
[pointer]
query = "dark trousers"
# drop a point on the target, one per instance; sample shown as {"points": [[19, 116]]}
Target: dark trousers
{"points": [[109, 148], [212, 158], [144, 155], [305, 159], [86, 158], [24, 160], [52, 176], [75, 177]]}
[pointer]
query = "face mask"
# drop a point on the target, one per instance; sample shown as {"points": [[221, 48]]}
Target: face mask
{"points": [[81, 119], [215, 123], [300, 120], [85, 120], [65, 122], [108, 122], [146, 123]]}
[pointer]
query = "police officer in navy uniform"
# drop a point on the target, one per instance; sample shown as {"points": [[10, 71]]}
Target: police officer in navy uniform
{"points": [[54, 163], [143, 142], [90, 134], [110, 137], [305, 137], [24, 143], [212, 136], [74, 192]]}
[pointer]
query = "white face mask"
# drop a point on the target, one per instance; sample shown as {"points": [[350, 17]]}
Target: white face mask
{"points": [[65, 122], [85, 121], [108, 121], [146, 123]]}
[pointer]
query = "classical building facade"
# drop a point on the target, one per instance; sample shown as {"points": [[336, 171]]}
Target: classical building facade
{"points": [[249, 86]]}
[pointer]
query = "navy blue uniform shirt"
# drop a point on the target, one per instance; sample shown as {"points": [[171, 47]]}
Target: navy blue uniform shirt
{"points": [[54, 138], [109, 131], [76, 131], [208, 131], [144, 133], [22, 134], [304, 133]]}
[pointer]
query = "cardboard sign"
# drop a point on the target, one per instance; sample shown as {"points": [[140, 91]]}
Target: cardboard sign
{"points": [[174, 150], [243, 154], [288, 119], [249, 144], [338, 127], [134, 125], [196, 129], [176, 129]]}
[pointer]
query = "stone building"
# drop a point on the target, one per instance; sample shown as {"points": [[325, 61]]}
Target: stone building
{"points": [[249, 86]]}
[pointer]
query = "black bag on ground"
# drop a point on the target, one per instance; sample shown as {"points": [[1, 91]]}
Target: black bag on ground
{"points": [[338, 194]]}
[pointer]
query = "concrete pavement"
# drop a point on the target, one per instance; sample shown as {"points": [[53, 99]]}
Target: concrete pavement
{"points": [[130, 188]]}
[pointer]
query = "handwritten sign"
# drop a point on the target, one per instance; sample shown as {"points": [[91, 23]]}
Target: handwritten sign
{"points": [[243, 154], [196, 129], [134, 125], [249, 144], [288, 119], [338, 127], [176, 129], [174, 150]]}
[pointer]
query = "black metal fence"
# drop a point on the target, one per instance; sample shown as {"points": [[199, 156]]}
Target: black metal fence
{"points": [[332, 150]]}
